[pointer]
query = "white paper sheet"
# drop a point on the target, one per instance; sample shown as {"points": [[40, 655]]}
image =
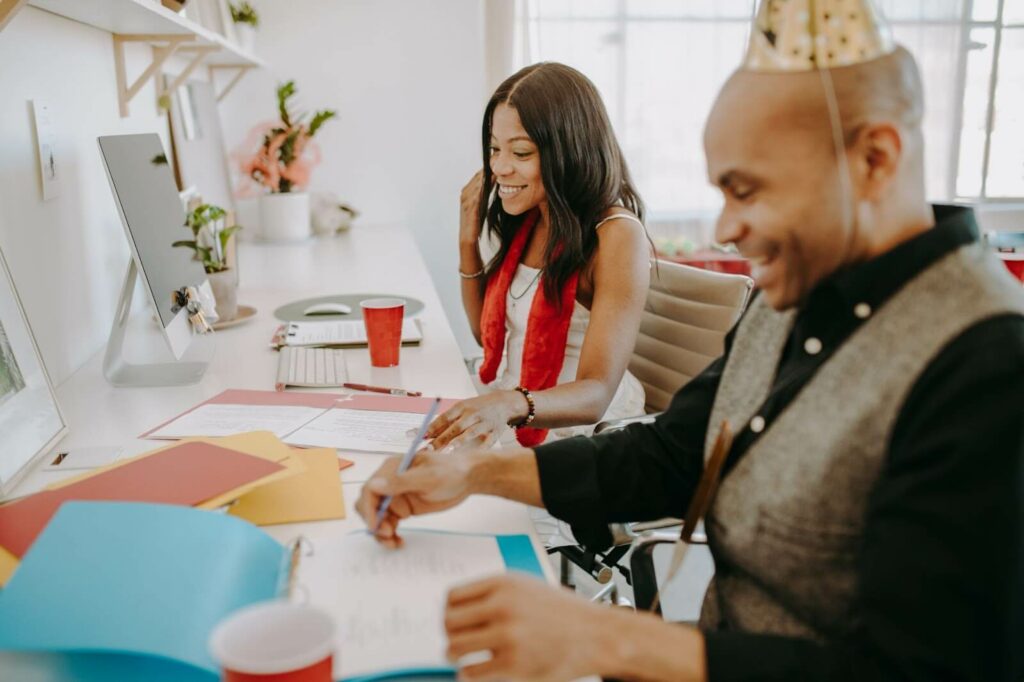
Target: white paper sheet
{"points": [[366, 430], [388, 605], [213, 420], [344, 333]]}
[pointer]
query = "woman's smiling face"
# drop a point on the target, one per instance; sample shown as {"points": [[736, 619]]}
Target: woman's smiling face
{"points": [[515, 163]]}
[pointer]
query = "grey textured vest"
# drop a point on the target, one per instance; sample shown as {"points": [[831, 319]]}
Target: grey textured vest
{"points": [[785, 527]]}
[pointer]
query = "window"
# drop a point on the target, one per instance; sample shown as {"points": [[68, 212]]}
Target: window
{"points": [[660, 63]]}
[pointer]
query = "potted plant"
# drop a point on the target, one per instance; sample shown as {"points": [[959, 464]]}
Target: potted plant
{"points": [[209, 241], [246, 22], [281, 167], [174, 5]]}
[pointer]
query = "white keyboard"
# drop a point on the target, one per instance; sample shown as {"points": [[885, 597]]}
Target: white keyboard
{"points": [[310, 367]]}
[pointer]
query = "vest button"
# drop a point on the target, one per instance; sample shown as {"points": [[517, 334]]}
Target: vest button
{"points": [[862, 310], [757, 424], [812, 346]]}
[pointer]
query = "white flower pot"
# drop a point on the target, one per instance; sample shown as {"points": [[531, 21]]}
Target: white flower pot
{"points": [[284, 217], [225, 291], [246, 35]]}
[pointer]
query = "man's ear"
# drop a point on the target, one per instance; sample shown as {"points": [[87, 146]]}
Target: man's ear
{"points": [[876, 154]]}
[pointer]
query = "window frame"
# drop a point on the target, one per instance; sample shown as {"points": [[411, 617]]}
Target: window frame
{"points": [[531, 14]]}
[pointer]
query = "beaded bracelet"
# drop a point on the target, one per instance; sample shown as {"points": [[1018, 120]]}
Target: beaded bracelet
{"points": [[531, 412]]}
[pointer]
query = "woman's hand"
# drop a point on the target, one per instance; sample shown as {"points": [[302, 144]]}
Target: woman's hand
{"points": [[433, 483], [477, 422], [469, 221]]}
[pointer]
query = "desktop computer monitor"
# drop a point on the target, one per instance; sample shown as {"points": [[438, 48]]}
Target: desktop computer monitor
{"points": [[153, 217]]}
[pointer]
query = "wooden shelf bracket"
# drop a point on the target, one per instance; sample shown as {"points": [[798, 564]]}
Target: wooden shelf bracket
{"points": [[240, 71], [8, 8], [199, 53], [163, 47]]}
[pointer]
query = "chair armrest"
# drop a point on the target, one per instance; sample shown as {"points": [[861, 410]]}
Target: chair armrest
{"points": [[641, 527], [641, 569], [627, 533], [641, 564], [619, 424]]}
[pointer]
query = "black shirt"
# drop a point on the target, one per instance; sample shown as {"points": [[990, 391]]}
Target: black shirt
{"points": [[941, 584]]}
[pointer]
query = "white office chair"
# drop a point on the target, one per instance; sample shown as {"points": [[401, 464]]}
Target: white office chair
{"points": [[688, 313]]}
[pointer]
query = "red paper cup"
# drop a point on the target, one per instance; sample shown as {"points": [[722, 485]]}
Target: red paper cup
{"points": [[275, 641], [1014, 262], [383, 319]]}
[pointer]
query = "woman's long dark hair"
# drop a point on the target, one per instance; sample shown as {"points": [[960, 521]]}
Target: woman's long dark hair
{"points": [[582, 167]]}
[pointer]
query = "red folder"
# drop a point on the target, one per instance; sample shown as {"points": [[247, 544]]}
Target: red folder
{"points": [[186, 474]]}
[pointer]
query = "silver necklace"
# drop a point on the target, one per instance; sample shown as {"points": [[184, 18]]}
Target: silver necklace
{"points": [[528, 286]]}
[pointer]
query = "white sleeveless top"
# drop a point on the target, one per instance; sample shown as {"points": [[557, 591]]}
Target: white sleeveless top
{"points": [[629, 397]]}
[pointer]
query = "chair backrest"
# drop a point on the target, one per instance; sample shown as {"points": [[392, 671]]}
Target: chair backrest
{"points": [[688, 313]]}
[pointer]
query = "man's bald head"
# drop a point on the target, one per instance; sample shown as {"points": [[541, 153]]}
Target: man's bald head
{"points": [[771, 147], [887, 89], [884, 89]]}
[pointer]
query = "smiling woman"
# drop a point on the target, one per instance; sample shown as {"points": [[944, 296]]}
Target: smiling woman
{"points": [[558, 308]]}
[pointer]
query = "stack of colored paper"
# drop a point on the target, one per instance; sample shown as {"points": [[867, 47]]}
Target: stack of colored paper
{"points": [[271, 482]]}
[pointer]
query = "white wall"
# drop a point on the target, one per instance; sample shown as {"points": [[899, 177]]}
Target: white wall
{"points": [[406, 78], [67, 255]]}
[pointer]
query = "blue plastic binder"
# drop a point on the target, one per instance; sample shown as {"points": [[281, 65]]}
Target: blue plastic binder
{"points": [[129, 591]]}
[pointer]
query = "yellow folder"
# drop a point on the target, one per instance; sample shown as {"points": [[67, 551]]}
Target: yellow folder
{"points": [[314, 495]]}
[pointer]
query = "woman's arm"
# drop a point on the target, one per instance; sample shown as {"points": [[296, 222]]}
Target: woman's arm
{"points": [[470, 260], [621, 275]]}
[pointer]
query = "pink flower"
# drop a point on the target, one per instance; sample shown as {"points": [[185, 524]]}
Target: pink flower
{"points": [[297, 173], [264, 169]]}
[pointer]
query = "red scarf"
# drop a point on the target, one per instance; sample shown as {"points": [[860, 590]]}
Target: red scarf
{"points": [[547, 328]]}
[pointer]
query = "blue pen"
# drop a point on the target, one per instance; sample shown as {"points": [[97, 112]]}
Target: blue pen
{"points": [[407, 460]]}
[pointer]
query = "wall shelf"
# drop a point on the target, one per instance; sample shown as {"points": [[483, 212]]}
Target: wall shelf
{"points": [[169, 33]]}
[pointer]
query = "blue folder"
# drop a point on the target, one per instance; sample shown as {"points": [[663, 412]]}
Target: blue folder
{"points": [[119, 590]]}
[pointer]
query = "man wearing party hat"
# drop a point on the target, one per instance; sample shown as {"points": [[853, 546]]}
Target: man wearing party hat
{"points": [[868, 520]]}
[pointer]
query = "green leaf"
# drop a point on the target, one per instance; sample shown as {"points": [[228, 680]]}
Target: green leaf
{"points": [[225, 235], [243, 13], [284, 93], [192, 244], [202, 215], [319, 119]]}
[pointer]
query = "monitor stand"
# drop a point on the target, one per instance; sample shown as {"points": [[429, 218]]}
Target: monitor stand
{"points": [[120, 372]]}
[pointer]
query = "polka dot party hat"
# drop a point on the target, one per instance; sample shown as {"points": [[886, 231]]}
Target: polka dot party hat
{"points": [[803, 35]]}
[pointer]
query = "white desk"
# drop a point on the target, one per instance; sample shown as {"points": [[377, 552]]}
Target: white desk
{"points": [[364, 260]]}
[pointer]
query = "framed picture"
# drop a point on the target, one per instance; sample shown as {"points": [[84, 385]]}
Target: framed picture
{"points": [[227, 21], [193, 13], [30, 419], [198, 143], [215, 15]]}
